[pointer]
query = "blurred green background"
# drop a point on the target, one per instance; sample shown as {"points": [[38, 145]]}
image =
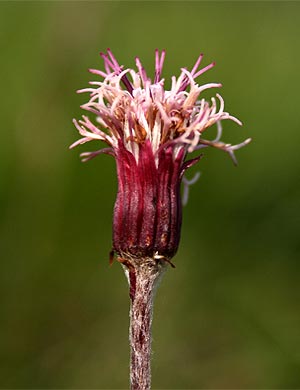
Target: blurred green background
{"points": [[228, 316]]}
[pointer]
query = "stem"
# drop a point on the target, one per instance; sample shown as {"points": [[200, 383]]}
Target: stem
{"points": [[143, 276]]}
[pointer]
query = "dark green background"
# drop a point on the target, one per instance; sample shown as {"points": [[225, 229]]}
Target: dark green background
{"points": [[228, 316]]}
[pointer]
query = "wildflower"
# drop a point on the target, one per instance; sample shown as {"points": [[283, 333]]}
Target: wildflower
{"points": [[150, 131]]}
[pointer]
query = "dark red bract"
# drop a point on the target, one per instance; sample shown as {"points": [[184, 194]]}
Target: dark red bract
{"points": [[147, 213]]}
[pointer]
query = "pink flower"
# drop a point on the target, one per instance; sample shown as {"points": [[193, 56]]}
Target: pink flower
{"points": [[150, 131]]}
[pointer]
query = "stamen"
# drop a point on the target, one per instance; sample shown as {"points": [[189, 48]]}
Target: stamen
{"points": [[87, 156], [142, 72], [113, 59], [197, 63], [186, 186], [115, 67], [159, 64], [109, 66], [221, 103], [194, 76], [203, 70], [219, 132], [241, 145], [98, 72], [175, 118]]}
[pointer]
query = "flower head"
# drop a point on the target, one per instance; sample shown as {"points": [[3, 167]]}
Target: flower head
{"points": [[150, 131]]}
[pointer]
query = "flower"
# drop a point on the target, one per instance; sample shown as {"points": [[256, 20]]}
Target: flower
{"points": [[150, 131]]}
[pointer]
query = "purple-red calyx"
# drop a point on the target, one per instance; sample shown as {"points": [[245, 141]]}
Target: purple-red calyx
{"points": [[150, 131]]}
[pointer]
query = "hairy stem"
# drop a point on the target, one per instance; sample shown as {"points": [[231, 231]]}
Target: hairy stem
{"points": [[143, 275]]}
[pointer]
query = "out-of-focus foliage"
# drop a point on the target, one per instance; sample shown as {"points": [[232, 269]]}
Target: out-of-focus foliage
{"points": [[228, 315]]}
